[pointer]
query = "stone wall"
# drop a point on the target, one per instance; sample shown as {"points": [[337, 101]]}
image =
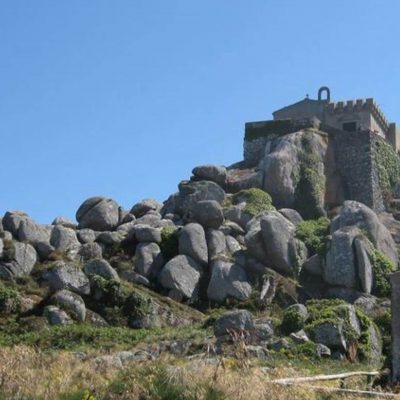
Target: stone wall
{"points": [[355, 163]]}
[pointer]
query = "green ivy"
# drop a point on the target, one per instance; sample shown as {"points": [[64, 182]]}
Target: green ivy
{"points": [[388, 164]]}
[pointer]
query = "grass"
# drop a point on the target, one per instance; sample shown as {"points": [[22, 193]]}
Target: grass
{"points": [[85, 337], [27, 373]]}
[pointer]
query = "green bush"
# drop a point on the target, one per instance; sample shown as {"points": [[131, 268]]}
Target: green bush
{"points": [[292, 321], [381, 267], [169, 242], [314, 233], [10, 300], [257, 201]]}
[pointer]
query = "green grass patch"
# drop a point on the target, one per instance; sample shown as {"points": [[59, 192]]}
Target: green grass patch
{"points": [[169, 242]]}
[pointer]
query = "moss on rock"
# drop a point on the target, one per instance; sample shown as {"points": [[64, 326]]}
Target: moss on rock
{"points": [[315, 234], [257, 201], [169, 242]]}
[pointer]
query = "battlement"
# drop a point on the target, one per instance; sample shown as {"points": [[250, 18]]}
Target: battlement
{"points": [[359, 105]]}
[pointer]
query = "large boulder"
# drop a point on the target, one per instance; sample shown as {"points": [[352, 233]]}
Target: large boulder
{"points": [[340, 268], [32, 232], [208, 213], [284, 163], [146, 233], [192, 242], [358, 214], [12, 220], [144, 206], [18, 259], [363, 249], [216, 244], [64, 239], [102, 268], [98, 213], [192, 192], [285, 253], [234, 322], [209, 172], [67, 276], [228, 280], [149, 259], [70, 302], [181, 274]]}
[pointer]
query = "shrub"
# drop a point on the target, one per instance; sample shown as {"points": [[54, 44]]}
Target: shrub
{"points": [[292, 321], [257, 201], [382, 267], [10, 300], [314, 233]]}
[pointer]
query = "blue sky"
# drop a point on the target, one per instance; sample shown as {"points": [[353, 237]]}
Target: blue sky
{"points": [[123, 98]]}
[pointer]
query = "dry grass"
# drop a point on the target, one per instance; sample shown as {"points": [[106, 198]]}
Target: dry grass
{"points": [[26, 373]]}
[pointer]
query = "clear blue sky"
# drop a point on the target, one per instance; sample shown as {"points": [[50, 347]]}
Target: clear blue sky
{"points": [[123, 98]]}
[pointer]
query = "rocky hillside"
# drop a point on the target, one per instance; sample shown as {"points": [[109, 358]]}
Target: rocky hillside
{"points": [[273, 252]]}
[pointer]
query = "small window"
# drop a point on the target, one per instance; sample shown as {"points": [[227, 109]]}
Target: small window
{"points": [[349, 126]]}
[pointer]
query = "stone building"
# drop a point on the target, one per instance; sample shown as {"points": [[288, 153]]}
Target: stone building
{"points": [[350, 116]]}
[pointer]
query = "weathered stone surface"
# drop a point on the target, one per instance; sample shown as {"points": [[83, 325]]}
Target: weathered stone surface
{"points": [[95, 319], [146, 233], [314, 265], [12, 220], [238, 215], [56, 316], [89, 251], [340, 268], [64, 221], [18, 259], [1, 248], [182, 273], [228, 280], [292, 215], [355, 213], [234, 321], [70, 302], [64, 239], [152, 218], [98, 213], [209, 172], [44, 249], [322, 350], [208, 213], [144, 206], [192, 192], [375, 340], [192, 242], [86, 235], [284, 253], [363, 248], [102, 268], [216, 244], [255, 244], [391, 224], [330, 334], [110, 238], [67, 276], [149, 259], [30, 231], [232, 245], [282, 161], [243, 178]]}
